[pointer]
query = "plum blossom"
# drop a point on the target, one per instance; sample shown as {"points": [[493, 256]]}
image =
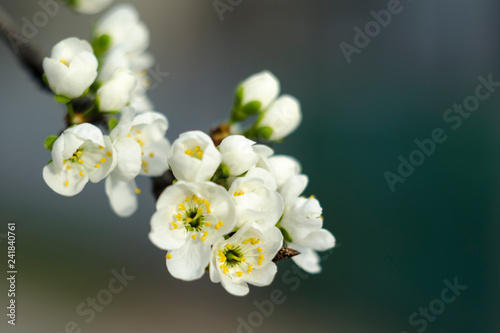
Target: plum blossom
{"points": [[189, 218], [71, 68], [81, 153], [245, 258], [193, 157], [302, 225]]}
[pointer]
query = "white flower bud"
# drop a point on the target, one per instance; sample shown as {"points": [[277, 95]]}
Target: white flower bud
{"points": [[263, 87], [193, 157], [238, 154], [123, 26], [282, 117], [71, 68], [115, 94]]}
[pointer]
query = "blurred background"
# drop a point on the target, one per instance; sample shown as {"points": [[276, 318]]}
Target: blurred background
{"points": [[395, 249]]}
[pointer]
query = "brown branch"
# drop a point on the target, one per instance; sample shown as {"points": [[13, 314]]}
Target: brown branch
{"points": [[29, 56]]}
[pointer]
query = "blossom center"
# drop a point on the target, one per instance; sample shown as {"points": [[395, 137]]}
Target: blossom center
{"points": [[241, 258], [197, 152], [194, 214]]}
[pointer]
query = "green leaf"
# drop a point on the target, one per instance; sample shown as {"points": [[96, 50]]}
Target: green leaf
{"points": [[62, 99], [44, 78], [264, 132], [49, 142], [252, 108], [112, 122], [101, 44], [286, 235], [238, 96]]}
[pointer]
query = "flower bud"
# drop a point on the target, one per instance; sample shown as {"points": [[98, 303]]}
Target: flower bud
{"points": [[281, 118], [71, 68], [115, 94]]}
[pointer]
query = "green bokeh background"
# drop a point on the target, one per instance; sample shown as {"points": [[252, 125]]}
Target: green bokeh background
{"points": [[394, 249]]}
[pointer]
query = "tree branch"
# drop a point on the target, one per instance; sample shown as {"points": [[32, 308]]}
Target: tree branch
{"points": [[29, 56]]}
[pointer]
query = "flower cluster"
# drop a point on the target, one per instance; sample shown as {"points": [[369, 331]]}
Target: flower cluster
{"points": [[111, 73], [112, 69], [137, 145], [233, 207]]}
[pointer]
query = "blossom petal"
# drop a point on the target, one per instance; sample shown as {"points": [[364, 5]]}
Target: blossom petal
{"points": [[65, 182], [189, 261], [162, 235], [263, 275], [122, 195], [128, 158], [155, 158], [320, 240], [308, 260]]}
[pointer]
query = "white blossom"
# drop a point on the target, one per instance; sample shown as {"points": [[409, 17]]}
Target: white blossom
{"points": [[245, 258], [303, 223], [81, 153], [256, 199], [123, 26], [190, 217], [262, 87], [115, 93], [120, 185], [282, 117], [113, 60], [283, 168], [193, 157], [71, 68], [142, 149], [90, 6], [238, 154]]}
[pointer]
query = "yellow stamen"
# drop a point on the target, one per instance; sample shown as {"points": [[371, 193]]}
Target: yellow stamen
{"points": [[97, 165], [81, 173], [101, 147], [259, 262], [193, 236], [182, 207], [239, 274], [146, 170], [103, 160], [78, 153], [189, 152], [80, 161], [151, 155], [66, 183], [168, 256], [238, 193], [261, 256], [138, 190], [68, 167], [208, 224], [250, 268], [259, 249], [109, 154]]}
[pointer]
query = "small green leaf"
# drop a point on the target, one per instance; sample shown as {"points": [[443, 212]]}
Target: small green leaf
{"points": [[62, 99], [286, 235], [101, 44], [112, 122], [264, 132], [224, 170], [44, 78], [252, 108], [238, 96], [49, 142]]}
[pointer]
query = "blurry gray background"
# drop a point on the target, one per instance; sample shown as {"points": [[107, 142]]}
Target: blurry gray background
{"points": [[395, 249]]}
